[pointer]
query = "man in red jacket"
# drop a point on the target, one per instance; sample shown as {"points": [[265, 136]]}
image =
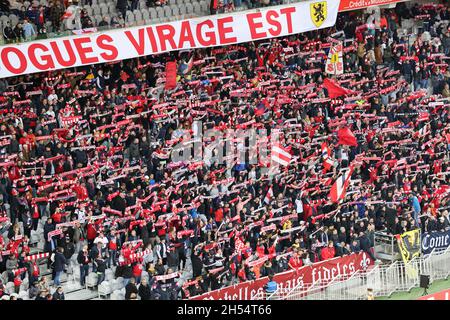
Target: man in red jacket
{"points": [[295, 262], [328, 252]]}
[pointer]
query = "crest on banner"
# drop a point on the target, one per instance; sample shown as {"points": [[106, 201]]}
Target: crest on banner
{"points": [[318, 12]]}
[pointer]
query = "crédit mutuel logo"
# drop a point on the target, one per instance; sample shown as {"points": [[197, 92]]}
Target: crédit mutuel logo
{"points": [[222, 146]]}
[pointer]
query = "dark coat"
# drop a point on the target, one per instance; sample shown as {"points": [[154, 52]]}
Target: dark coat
{"points": [[60, 262], [129, 289], [145, 292]]}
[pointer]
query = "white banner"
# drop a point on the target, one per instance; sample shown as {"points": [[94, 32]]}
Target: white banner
{"points": [[335, 63], [208, 31]]}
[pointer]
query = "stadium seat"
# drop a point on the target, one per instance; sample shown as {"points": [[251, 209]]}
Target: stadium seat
{"points": [[168, 12], [189, 8], [98, 18], [24, 286], [114, 284], [89, 11], [205, 6], [91, 280], [9, 287], [24, 295], [197, 8], [4, 276], [153, 13], [4, 19], [145, 14], [117, 295], [104, 10], [96, 10], [14, 20], [104, 288], [180, 2], [109, 274], [119, 282], [160, 12], [182, 8], [172, 2], [112, 8]]}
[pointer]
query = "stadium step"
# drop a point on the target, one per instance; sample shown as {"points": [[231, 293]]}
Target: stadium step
{"points": [[82, 294]]}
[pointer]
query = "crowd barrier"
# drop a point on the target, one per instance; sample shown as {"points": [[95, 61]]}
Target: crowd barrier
{"points": [[384, 280]]}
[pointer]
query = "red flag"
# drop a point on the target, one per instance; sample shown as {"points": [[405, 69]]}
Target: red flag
{"points": [[339, 188], [171, 75], [346, 137], [328, 162], [268, 196], [334, 89], [281, 155]]}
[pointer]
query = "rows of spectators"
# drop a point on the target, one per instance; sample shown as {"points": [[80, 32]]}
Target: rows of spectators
{"points": [[94, 147]]}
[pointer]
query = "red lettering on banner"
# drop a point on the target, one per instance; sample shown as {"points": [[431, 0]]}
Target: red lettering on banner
{"points": [[83, 51], [211, 40], [151, 36], [277, 30], [23, 61], [108, 47], [224, 30], [306, 275], [186, 35], [255, 25], [166, 37], [139, 46], [288, 12], [48, 61], [65, 63]]}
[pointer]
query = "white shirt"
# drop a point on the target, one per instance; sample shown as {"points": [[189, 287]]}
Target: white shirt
{"points": [[299, 204], [52, 96], [81, 215], [103, 240]]}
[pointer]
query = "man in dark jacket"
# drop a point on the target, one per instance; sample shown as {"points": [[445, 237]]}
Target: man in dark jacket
{"points": [[122, 7], [48, 227], [131, 288], [59, 294], [60, 262], [69, 248], [172, 258], [100, 264], [95, 252], [83, 259], [364, 244], [197, 264], [144, 290]]}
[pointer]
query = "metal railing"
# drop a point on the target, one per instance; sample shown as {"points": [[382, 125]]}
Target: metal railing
{"points": [[385, 247], [384, 280]]}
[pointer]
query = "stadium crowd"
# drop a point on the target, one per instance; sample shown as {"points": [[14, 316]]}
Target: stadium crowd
{"points": [[88, 154]]}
